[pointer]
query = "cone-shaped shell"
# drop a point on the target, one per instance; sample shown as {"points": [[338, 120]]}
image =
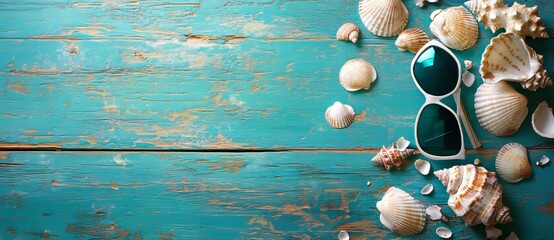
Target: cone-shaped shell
{"points": [[455, 27], [389, 157], [500, 109], [411, 39], [348, 32], [383, 18], [543, 120], [512, 163], [401, 213], [357, 74], [340, 115], [475, 195], [508, 58]]}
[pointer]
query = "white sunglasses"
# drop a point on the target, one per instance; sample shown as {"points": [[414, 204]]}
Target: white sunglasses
{"points": [[437, 74]]}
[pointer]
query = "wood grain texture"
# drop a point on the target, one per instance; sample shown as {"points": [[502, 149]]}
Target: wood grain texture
{"points": [[232, 195]]}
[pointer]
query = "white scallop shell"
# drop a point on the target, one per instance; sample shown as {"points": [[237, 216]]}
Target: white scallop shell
{"points": [[508, 58], [422, 166], [348, 32], [357, 74], [512, 163], [340, 115], [411, 39], [543, 120], [443, 232], [455, 27], [383, 18], [500, 109], [401, 213], [428, 189]]}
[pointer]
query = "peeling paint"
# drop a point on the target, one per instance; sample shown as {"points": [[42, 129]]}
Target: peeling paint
{"points": [[19, 88], [547, 208]]}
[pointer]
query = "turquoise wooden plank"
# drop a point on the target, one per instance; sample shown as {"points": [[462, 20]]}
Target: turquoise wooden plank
{"points": [[289, 195]]}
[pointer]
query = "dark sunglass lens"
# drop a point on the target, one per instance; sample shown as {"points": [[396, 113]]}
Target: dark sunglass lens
{"points": [[436, 71], [438, 132]]}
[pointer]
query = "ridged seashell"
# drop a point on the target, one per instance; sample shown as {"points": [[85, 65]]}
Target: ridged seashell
{"points": [[383, 18], [443, 232], [411, 39], [512, 163], [428, 189], [508, 58], [543, 120], [348, 32], [455, 27], [357, 74], [392, 156], [519, 19], [500, 109], [401, 213], [475, 195], [340, 115], [422, 166]]}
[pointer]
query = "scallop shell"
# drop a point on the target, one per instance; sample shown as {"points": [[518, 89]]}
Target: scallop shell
{"points": [[340, 115], [455, 27], [543, 120], [512, 163], [393, 156], [401, 213], [411, 39], [422, 166], [383, 18], [508, 58], [443, 232], [428, 189], [348, 32], [357, 74], [500, 109]]}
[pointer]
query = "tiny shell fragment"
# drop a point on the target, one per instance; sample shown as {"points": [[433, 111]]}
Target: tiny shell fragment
{"points": [[428, 189], [477, 162], [343, 235], [368, 183], [493, 233], [468, 78], [469, 64], [434, 212], [402, 144], [512, 236], [422, 166], [543, 161], [444, 232]]}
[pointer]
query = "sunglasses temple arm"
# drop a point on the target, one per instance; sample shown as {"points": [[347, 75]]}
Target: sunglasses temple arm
{"points": [[469, 130]]}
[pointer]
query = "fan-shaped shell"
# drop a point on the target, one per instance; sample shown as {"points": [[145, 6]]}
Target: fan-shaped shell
{"points": [[357, 74], [411, 39], [500, 109], [512, 163], [340, 115], [401, 213], [383, 18], [348, 32], [455, 27], [543, 120]]}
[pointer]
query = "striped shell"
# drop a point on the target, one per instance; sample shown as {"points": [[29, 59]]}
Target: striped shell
{"points": [[383, 18], [455, 27], [512, 163], [340, 115], [357, 74], [500, 109], [401, 213], [389, 157], [411, 39], [348, 32]]}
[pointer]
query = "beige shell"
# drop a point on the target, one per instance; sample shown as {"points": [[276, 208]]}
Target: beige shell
{"points": [[411, 39], [357, 74], [435, 213], [493, 233], [383, 18], [443, 232], [401, 213], [543, 161], [508, 58], [543, 120], [343, 235], [340, 115], [422, 166], [500, 109], [392, 156], [475, 195], [455, 27], [428, 189], [348, 32], [519, 19], [512, 163]]}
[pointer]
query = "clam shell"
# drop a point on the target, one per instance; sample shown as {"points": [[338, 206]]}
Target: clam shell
{"points": [[455, 27], [402, 144], [348, 32], [500, 109], [543, 161], [443, 232], [543, 120], [428, 189], [383, 18], [343, 235], [357, 74], [422, 166], [512, 163], [401, 213], [340, 115], [411, 39]]}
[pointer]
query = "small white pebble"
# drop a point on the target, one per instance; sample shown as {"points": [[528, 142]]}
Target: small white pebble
{"points": [[477, 162], [368, 183]]}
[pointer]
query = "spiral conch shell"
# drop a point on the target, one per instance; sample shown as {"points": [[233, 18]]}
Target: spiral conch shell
{"points": [[508, 58], [455, 27], [475, 195], [518, 19], [411, 39], [512, 163], [383, 18], [401, 213], [357, 74], [393, 156], [500, 109], [348, 32]]}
